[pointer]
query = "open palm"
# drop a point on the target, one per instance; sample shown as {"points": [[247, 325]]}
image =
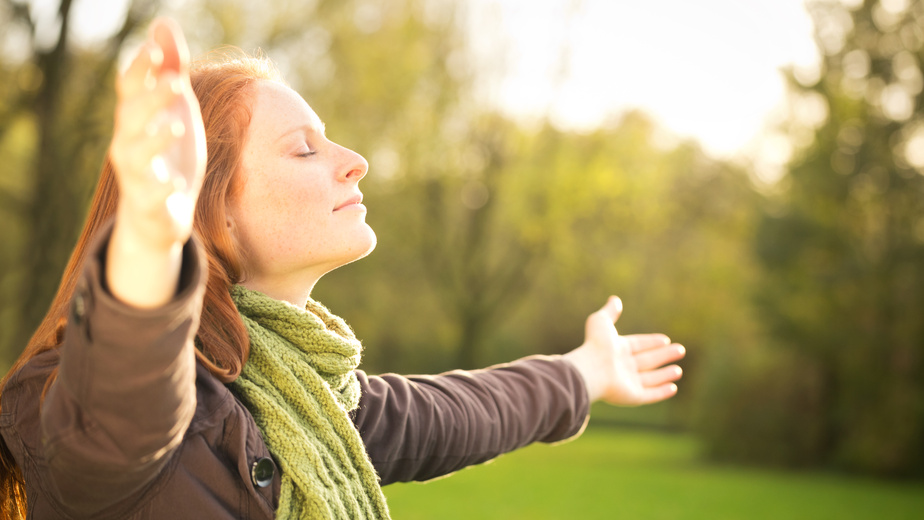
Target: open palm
{"points": [[625, 370], [158, 147]]}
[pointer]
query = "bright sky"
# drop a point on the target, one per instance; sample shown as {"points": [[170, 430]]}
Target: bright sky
{"points": [[706, 69]]}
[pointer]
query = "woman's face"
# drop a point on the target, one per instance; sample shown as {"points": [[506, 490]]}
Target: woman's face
{"points": [[298, 212]]}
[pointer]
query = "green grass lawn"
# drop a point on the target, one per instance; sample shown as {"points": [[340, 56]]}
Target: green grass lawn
{"points": [[611, 473]]}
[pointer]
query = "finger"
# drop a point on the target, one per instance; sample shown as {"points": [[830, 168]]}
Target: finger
{"points": [[169, 37], [642, 342], [660, 376], [653, 358], [144, 67], [658, 393]]}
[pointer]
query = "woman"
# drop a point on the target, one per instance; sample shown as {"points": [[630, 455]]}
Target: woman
{"points": [[179, 377]]}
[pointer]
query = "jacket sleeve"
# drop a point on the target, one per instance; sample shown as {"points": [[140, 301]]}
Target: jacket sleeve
{"points": [[422, 427], [125, 390]]}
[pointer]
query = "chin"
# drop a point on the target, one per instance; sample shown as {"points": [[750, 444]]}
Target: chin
{"points": [[371, 241], [363, 245]]}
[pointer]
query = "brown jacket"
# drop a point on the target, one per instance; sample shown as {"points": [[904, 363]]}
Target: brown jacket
{"points": [[134, 428]]}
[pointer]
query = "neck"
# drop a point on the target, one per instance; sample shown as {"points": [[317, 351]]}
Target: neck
{"points": [[295, 293]]}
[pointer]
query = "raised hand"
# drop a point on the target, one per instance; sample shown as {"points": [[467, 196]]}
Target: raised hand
{"points": [[625, 370], [158, 152], [158, 147]]}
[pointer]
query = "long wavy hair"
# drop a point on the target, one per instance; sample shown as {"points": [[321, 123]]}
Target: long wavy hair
{"points": [[223, 83]]}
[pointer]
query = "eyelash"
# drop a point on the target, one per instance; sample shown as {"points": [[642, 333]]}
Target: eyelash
{"points": [[306, 154]]}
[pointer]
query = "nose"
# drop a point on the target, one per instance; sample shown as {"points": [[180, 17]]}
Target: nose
{"points": [[354, 167]]}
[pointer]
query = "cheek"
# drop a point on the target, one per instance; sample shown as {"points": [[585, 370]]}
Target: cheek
{"points": [[276, 220], [294, 207]]}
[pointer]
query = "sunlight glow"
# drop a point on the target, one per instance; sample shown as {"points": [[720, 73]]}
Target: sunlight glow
{"points": [[708, 70]]}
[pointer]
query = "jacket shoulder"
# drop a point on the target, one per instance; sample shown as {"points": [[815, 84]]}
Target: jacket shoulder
{"points": [[216, 454]]}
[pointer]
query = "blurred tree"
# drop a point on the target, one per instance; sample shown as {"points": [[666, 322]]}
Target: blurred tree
{"points": [[53, 119], [664, 227], [480, 264], [842, 248]]}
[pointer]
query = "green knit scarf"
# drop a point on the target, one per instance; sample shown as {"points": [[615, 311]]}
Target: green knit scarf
{"points": [[299, 384]]}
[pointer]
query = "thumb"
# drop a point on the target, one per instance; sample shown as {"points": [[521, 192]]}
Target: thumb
{"points": [[613, 308], [605, 317]]}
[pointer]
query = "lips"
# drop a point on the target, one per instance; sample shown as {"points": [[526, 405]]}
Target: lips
{"points": [[356, 199]]}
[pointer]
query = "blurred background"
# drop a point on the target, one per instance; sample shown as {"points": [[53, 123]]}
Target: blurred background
{"points": [[747, 176]]}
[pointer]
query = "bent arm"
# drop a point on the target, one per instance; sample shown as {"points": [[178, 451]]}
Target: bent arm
{"points": [[422, 427], [125, 390]]}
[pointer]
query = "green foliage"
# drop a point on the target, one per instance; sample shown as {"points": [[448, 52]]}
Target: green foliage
{"points": [[842, 255], [775, 401], [54, 126]]}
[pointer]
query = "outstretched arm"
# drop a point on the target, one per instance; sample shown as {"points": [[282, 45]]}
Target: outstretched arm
{"points": [[625, 370], [421, 427]]}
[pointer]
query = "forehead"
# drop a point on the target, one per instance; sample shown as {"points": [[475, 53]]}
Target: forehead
{"points": [[278, 110]]}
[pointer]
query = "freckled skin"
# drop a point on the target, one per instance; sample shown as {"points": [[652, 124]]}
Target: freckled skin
{"points": [[292, 180]]}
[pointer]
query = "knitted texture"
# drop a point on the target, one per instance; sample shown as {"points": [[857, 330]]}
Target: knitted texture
{"points": [[299, 385]]}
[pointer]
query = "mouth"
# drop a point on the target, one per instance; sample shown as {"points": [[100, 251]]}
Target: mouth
{"points": [[355, 200]]}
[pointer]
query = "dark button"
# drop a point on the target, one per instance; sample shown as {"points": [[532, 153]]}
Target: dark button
{"points": [[262, 472]]}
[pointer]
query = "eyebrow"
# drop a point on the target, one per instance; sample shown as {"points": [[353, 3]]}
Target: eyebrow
{"points": [[309, 128]]}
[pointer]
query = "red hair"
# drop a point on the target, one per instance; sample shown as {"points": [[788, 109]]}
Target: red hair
{"points": [[223, 84]]}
